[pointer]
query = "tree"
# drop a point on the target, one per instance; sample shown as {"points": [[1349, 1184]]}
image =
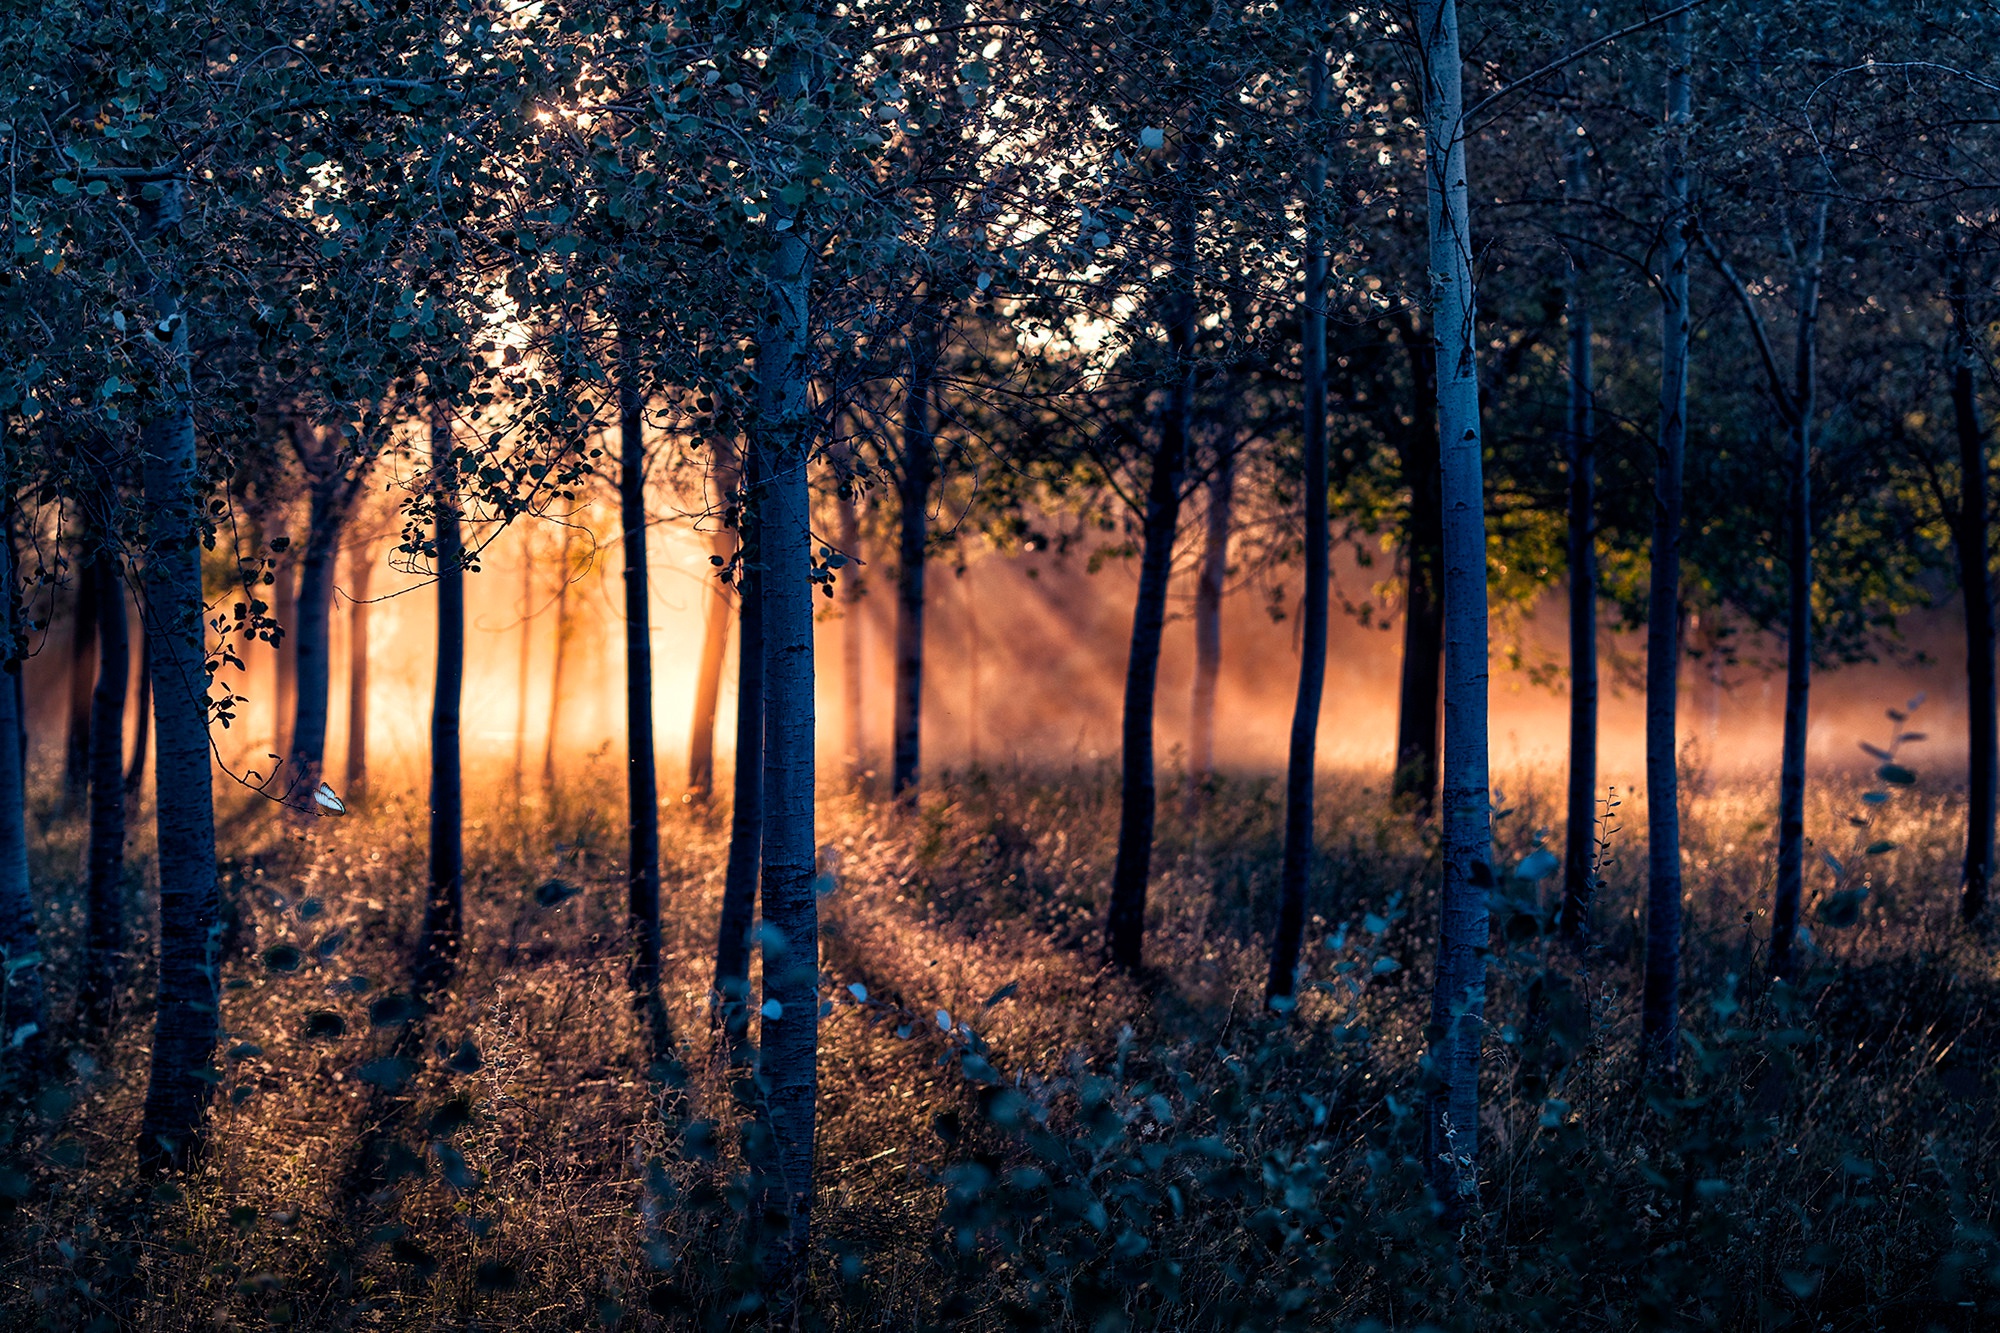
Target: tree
{"points": [[642, 796], [184, 1025], [1458, 998], [1282, 985], [443, 917], [20, 936], [1660, 1002], [105, 874], [1580, 437]]}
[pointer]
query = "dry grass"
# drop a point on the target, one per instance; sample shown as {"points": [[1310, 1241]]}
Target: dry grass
{"points": [[1830, 1167]]}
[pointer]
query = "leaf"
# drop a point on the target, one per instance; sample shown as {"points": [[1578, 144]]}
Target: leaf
{"points": [[389, 1073], [1896, 775], [1003, 993], [1833, 863], [324, 1025], [1876, 751], [943, 1021], [393, 1009], [1384, 966], [466, 1060], [283, 958], [1877, 848], [1843, 909], [859, 992], [1152, 137], [1537, 865], [555, 892], [772, 1010]]}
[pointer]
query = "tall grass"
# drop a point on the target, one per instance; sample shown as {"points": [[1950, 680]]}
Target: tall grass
{"points": [[1010, 1135]]}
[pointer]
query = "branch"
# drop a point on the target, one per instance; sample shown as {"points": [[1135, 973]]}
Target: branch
{"points": [[1571, 57], [1787, 408]]}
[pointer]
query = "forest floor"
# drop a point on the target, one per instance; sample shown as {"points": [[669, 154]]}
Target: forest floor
{"points": [[1009, 1135]]}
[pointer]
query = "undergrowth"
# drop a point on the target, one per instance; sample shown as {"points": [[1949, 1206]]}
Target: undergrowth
{"points": [[1010, 1136]]}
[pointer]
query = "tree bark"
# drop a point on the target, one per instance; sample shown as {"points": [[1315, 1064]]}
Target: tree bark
{"points": [[642, 874], [1580, 432], [1458, 1002], [1798, 615], [746, 816], [1282, 985], [1659, 1026], [914, 484], [559, 660], [1976, 591], [82, 678], [312, 640], [105, 878], [708, 678], [848, 589], [20, 940], [361, 571], [1422, 681], [1208, 627], [1125, 922], [186, 1016], [437, 947], [284, 653], [142, 714], [787, 1060]]}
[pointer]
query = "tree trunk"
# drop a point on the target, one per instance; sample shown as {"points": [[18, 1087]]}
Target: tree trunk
{"points": [[1282, 985], [642, 794], [1458, 1003], [142, 714], [787, 1061], [186, 1016], [1125, 923], [1208, 627], [362, 570], [914, 484], [1659, 1034], [1976, 590], [285, 653], [105, 891], [437, 948], [1422, 682], [746, 816], [708, 679], [20, 941], [559, 660], [82, 678], [523, 667], [1798, 617], [1580, 430], [848, 587], [312, 640]]}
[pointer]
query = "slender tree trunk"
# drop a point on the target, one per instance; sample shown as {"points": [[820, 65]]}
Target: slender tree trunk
{"points": [[1208, 629], [914, 484], [1799, 615], [20, 941], [105, 889], [1659, 1036], [1976, 590], [361, 571], [787, 1060], [186, 1016], [437, 949], [285, 654], [1580, 431], [142, 718], [312, 640], [82, 679], [708, 679], [1125, 923], [642, 873], [848, 586], [522, 672], [1458, 1004], [559, 661], [1419, 695], [746, 816], [1282, 984]]}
